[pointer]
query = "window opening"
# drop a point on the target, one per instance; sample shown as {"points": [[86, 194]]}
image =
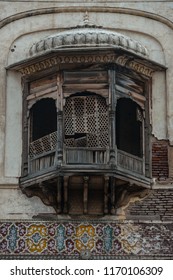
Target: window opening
{"points": [[129, 127]]}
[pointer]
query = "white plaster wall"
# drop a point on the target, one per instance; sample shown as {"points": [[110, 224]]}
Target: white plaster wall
{"points": [[159, 106], [15, 205], [158, 38], [13, 129]]}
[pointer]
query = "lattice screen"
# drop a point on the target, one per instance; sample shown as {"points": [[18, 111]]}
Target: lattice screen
{"points": [[86, 121], [43, 145]]}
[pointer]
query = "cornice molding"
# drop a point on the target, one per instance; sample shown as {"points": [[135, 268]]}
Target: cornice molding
{"points": [[122, 60]]}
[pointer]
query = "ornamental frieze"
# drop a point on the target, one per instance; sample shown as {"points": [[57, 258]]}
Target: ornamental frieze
{"points": [[122, 60]]}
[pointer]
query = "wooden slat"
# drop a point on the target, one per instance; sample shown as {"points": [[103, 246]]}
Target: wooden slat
{"points": [[42, 86], [84, 77], [129, 84], [42, 163], [86, 156], [42, 82], [130, 162]]}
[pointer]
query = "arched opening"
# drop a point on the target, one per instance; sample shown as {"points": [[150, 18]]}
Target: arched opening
{"points": [[43, 135], [129, 127], [43, 118]]}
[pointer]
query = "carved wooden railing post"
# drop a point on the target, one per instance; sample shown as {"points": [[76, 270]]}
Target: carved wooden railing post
{"points": [[85, 195], [106, 186], [65, 210]]}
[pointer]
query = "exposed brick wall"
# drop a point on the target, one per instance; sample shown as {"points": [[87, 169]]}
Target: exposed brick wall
{"points": [[156, 206], [160, 159]]}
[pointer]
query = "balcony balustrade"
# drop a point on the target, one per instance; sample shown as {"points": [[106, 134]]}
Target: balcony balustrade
{"points": [[42, 156]]}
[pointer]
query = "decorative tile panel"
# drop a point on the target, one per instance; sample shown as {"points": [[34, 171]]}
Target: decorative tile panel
{"points": [[71, 239]]}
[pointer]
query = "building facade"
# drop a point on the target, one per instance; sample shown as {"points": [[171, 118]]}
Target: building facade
{"points": [[86, 130]]}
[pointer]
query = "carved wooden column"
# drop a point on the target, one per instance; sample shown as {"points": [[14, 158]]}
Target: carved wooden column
{"points": [[59, 137], [147, 133], [106, 187], [112, 185], [112, 108], [59, 195], [59, 120], [85, 194], [25, 129], [66, 179]]}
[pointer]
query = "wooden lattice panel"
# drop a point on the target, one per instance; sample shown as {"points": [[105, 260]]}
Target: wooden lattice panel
{"points": [[86, 115], [43, 145]]}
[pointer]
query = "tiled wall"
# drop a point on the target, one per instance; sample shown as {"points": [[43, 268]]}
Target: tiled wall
{"points": [[92, 240]]}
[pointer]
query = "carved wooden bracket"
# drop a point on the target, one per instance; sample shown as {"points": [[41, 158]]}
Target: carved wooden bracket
{"points": [[126, 194]]}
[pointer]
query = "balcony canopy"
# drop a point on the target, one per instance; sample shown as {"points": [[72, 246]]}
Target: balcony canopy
{"points": [[81, 44], [86, 37]]}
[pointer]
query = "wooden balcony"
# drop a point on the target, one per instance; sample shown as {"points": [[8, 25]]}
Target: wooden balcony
{"points": [[43, 154]]}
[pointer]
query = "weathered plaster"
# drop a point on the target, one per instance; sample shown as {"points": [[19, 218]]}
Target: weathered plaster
{"points": [[13, 132], [15, 205]]}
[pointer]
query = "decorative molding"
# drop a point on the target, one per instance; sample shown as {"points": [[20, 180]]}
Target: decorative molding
{"points": [[141, 68], [122, 60]]}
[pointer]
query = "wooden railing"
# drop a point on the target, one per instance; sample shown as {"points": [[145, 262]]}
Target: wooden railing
{"points": [[42, 162], [83, 155], [42, 153], [130, 162], [42, 156], [43, 145]]}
